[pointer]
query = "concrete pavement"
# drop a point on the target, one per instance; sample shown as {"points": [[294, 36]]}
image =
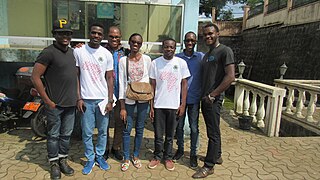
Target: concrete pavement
{"points": [[246, 155]]}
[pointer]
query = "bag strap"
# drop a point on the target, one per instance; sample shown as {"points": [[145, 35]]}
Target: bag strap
{"points": [[127, 64]]}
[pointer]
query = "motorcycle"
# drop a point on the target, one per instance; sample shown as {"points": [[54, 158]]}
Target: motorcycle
{"points": [[26, 104], [12, 101], [35, 110]]}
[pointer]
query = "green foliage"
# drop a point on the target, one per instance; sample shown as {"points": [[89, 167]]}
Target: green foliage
{"points": [[206, 7], [226, 15], [228, 103]]}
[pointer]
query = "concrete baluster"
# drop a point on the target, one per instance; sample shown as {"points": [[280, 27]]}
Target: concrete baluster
{"points": [[300, 104], [261, 112], [253, 108], [238, 98], [246, 103], [289, 101], [311, 107]]}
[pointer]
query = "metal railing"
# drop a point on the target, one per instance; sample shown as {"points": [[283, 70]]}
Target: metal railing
{"points": [[256, 10], [275, 5], [298, 3]]}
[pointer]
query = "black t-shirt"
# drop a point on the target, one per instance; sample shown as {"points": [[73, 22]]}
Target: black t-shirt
{"points": [[213, 67], [60, 76]]}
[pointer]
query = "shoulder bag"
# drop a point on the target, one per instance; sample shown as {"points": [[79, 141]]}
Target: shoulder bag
{"points": [[138, 91]]}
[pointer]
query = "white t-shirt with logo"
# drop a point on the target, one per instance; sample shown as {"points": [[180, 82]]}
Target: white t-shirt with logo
{"points": [[168, 75], [93, 64]]}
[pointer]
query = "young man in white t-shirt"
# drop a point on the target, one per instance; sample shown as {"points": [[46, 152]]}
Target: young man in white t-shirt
{"points": [[168, 76], [95, 71]]}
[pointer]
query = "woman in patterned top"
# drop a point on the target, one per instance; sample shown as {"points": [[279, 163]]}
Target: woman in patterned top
{"points": [[138, 71]]}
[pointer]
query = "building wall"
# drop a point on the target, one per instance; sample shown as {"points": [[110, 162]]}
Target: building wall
{"points": [[287, 16], [3, 23], [31, 18], [264, 50]]}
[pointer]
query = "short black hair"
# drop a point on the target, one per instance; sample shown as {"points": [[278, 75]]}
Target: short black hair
{"points": [[212, 25], [190, 32], [135, 34], [96, 24], [169, 39]]}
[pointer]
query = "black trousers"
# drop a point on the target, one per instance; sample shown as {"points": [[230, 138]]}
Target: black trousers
{"points": [[165, 122], [211, 114]]}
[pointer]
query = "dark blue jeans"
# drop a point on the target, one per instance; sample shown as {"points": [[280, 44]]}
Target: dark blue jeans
{"points": [[60, 123], [193, 116], [211, 114], [165, 123]]}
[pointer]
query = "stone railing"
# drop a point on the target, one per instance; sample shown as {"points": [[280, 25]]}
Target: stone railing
{"points": [[260, 101], [301, 100]]}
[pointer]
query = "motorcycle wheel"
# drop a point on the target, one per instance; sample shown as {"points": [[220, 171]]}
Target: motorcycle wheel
{"points": [[39, 123]]}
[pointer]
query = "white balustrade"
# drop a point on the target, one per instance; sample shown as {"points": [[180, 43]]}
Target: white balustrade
{"points": [[268, 119], [308, 92]]}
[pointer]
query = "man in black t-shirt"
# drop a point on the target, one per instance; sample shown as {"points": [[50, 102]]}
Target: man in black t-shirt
{"points": [[57, 65], [217, 75]]}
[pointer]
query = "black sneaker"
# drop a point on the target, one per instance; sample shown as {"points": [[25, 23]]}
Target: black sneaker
{"points": [[65, 168], [193, 162], [55, 172], [178, 155], [117, 154]]}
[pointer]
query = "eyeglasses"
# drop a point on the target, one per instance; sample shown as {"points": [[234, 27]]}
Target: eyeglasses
{"points": [[114, 37], [190, 40], [64, 33], [133, 42], [94, 32]]}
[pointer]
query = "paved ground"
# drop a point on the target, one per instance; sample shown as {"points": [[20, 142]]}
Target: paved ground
{"points": [[246, 155]]}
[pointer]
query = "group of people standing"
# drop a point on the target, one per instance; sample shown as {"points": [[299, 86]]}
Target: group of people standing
{"points": [[92, 76]]}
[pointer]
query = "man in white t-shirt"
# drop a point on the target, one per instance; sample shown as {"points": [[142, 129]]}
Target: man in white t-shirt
{"points": [[95, 71], [168, 76]]}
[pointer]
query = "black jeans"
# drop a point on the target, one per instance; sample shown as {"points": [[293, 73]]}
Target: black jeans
{"points": [[211, 114], [165, 122]]}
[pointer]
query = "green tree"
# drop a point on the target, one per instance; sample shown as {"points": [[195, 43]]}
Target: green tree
{"points": [[206, 6]]}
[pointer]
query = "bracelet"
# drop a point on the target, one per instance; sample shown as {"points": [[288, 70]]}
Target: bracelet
{"points": [[110, 101], [212, 98], [79, 100]]}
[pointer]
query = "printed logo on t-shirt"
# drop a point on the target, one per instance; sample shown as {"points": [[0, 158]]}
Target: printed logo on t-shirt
{"points": [[175, 67], [170, 78], [100, 59], [211, 58]]}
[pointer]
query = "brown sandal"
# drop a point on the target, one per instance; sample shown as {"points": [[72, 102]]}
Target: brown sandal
{"points": [[136, 163]]}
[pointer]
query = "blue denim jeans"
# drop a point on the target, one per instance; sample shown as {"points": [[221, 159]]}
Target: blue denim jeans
{"points": [[60, 123], [193, 116], [92, 118], [142, 109], [211, 114]]}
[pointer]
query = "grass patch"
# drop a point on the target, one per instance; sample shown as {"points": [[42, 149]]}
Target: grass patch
{"points": [[228, 103]]}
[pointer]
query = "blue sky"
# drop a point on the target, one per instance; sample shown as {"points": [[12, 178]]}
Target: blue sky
{"points": [[235, 8]]}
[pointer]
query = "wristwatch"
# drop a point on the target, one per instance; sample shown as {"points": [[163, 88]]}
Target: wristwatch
{"points": [[212, 98], [110, 101]]}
